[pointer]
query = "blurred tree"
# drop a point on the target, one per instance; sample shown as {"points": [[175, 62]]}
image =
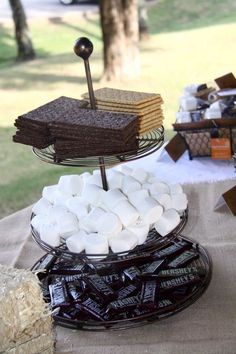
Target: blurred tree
{"points": [[23, 40], [143, 20], [120, 29]]}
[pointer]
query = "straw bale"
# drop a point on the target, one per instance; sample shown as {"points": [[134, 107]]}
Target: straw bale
{"points": [[25, 321]]}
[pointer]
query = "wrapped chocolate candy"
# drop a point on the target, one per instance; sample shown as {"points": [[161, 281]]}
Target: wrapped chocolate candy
{"points": [[47, 261], [165, 303], [114, 280], [68, 268], [58, 294], [127, 291], [153, 268], [148, 297], [183, 259], [132, 273], [102, 290], [75, 292], [123, 305], [94, 309], [136, 258], [179, 282], [172, 273], [173, 249]]}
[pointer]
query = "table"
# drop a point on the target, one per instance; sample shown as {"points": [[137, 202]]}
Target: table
{"points": [[206, 327]]}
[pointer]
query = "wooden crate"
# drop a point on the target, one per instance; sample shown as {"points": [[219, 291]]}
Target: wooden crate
{"points": [[197, 135]]}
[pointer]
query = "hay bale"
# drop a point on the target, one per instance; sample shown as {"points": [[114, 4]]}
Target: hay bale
{"points": [[25, 321]]}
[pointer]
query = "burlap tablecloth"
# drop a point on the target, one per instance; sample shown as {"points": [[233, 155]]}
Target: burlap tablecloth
{"points": [[206, 327]]}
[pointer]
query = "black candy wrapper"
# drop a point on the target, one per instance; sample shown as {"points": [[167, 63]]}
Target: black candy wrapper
{"points": [[148, 297], [105, 293]]}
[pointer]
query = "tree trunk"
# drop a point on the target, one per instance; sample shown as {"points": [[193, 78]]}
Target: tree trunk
{"points": [[143, 20], [119, 22], [23, 40]]}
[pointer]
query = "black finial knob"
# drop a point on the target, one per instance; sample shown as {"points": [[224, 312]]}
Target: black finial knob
{"points": [[83, 48]]}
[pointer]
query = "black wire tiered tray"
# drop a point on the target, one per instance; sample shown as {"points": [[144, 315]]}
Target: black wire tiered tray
{"points": [[148, 143], [153, 242], [66, 277], [167, 304]]}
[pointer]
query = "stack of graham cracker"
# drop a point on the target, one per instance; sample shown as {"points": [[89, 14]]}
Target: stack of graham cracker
{"points": [[76, 131], [147, 106], [91, 132], [33, 127]]}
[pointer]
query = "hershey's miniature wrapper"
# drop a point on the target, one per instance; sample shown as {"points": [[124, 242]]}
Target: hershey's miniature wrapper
{"points": [[183, 259], [179, 281]]}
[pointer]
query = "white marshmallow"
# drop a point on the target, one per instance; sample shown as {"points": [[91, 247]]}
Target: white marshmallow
{"points": [[97, 172], [146, 186], [124, 241], [140, 230], [153, 179], [191, 89], [109, 225], [179, 202], [158, 188], [42, 207], [126, 212], [84, 176], [112, 197], [140, 175], [60, 198], [70, 184], [130, 184], [56, 213], [91, 193], [67, 224], [90, 222], [167, 222], [183, 117], [96, 244], [163, 199], [39, 220], [49, 234], [126, 170], [176, 188], [77, 206], [188, 103], [150, 175], [95, 179], [114, 179], [136, 197], [212, 113], [49, 192], [75, 243], [150, 210]]}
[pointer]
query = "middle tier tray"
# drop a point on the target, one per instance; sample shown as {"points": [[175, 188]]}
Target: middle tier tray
{"points": [[154, 242]]}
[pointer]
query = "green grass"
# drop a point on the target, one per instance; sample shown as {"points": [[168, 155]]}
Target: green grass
{"points": [[176, 15], [191, 41]]}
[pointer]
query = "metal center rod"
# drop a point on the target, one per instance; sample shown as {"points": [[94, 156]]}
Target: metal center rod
{"points": [[93, 106]]}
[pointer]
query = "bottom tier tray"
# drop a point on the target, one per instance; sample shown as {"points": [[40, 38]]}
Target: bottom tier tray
{"points": [[113, 297]]}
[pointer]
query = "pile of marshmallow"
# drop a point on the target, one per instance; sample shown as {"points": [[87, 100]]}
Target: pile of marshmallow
{"points": [[78, 212], [193, 108]]}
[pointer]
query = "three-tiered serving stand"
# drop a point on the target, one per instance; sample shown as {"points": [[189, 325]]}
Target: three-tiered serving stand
{"points": [[140, 256]]}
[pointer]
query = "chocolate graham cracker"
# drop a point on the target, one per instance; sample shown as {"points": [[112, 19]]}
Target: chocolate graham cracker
{"points": [[77, 131], [56, 110]]}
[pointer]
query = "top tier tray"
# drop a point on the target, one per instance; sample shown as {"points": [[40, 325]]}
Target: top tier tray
{"points": [[147, 144]]}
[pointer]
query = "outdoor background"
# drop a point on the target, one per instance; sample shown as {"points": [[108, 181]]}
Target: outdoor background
{"points": [[191, 41]]}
